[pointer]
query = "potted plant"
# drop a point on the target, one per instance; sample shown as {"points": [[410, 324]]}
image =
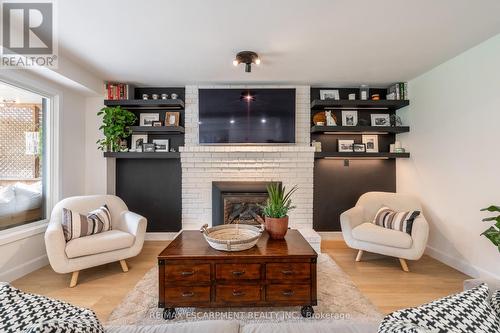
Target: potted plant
{"points": [[493, 232], [279, 203], [115, 126]]}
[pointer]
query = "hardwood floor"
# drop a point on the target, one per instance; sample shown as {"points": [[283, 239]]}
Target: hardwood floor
{"points": [[379, 278]]}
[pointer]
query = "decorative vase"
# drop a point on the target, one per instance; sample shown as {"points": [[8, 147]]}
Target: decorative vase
{"points": [[277, 227]]}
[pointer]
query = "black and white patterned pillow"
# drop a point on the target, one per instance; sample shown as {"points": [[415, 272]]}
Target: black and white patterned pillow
{"points": [[27, 313], [465, 312], [495, 302]]}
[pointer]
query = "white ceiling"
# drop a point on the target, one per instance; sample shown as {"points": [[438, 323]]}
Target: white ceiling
{"points": [[318, 42]]}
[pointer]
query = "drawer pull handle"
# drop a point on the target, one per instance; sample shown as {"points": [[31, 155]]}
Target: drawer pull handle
{"points": [[238, 273], [287, 272], [238, 293], [288, 293], [188, 294], [187, 273]]}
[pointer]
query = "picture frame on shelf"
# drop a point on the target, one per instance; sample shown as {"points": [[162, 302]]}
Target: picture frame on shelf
{"points": [[172, 118], [157, 124], [329, 94], [371, 142], [345, 146], [161, 145], [148, 148], [350, 118], [359, 148], [380, 119], [147, 119], [137, 141]]}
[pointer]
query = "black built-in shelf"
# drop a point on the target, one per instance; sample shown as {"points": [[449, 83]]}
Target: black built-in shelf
{"points": [[143, 155], [360, 129], [360, 105], [174, 104], [349, 155], [158, 130]]}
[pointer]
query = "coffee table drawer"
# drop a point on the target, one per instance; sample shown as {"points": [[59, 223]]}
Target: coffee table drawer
{"points": [[284, 271], [288, 292], [195, 273], [238, 293], [187, 294], [237, 271]]}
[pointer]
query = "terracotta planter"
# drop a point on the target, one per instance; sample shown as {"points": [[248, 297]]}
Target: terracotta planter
{"points": [[277, 227]]}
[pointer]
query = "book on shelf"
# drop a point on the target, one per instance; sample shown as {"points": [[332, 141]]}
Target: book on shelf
{"points": [[117, 91], [398, 91]]}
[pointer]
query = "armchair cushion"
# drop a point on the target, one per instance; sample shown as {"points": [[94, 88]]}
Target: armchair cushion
{"points": [[102, 242], [369, 232]]}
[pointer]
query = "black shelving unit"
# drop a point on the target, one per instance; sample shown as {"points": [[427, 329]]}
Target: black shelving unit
{"points": [[158, 130], [353, 155], [155, 155], [360, 105], [176, 104], [360, 129]]}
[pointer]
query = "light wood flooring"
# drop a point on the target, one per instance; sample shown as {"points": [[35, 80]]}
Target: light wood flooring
{"points": [[379, 278]]}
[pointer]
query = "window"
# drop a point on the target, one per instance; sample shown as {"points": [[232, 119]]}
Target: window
{"points": [[22, 156]]}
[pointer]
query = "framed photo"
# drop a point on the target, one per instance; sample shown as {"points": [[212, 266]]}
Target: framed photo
{"points": [[172, 118], [147, 119], [345, 146], [371, 142], [137, 141], [329, 94], [349, 118], [157, 123], [359, 148], [148, 147], [381, 119], [161, 145]]}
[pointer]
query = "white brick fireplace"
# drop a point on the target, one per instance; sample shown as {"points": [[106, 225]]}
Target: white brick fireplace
{"points": [[202, 165]]}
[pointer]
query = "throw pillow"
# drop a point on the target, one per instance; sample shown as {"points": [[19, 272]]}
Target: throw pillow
{"points": [[468, 311], [77, 225], [22, 312], [390, 219], [495, 302]]}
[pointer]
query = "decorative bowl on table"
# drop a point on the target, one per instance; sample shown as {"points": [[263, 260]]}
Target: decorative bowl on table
{"points": [[232, 237]]}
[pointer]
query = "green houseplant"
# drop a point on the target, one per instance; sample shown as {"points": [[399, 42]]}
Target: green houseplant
{"points": [[493, 232], [278, 204], [115, 126]]}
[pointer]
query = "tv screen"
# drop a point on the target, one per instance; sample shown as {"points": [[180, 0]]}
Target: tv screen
{"points": [[247, 116]]}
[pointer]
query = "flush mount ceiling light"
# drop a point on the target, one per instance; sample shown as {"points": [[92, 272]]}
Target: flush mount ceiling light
{"points": [[248, 58]]}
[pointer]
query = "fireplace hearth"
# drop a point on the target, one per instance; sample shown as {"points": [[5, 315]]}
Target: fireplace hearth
{"points": [[238, 202]]}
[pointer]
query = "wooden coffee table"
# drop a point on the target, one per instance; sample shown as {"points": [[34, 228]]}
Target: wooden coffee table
{"points": [[272, 273]]}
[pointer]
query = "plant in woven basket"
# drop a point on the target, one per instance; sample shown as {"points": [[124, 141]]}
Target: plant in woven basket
{"points": [[278, 204], [493, 232], [115, 126]]}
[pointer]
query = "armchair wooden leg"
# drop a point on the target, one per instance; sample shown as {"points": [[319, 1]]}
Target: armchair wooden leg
{"points": [[123, 263], [74, 279], [360, 254], [404, 265]]}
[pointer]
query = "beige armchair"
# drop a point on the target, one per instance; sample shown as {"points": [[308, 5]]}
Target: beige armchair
{"points": [[124, 241], [360, 233]]}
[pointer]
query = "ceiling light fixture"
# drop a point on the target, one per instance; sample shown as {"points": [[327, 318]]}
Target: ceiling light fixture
{"points": [[248, 58]]}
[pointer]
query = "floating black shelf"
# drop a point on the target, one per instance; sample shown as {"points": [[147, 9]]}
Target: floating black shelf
{"points": [[360, 129], [159, 129], [146, 103], [163, 155], [319, 104], [349, 155]]}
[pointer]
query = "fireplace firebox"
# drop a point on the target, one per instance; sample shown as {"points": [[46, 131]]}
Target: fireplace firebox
{"points": [[238, 202]]}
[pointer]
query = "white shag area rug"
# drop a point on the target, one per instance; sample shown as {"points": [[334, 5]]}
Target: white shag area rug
{"points": [[338, 298]]}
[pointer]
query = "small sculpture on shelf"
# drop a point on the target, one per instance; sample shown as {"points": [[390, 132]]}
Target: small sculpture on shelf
{"points": [[396, 120], [330, 120]]}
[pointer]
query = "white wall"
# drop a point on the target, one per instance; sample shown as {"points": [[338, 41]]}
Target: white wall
{"points": [[95, 163], [454, 169]]}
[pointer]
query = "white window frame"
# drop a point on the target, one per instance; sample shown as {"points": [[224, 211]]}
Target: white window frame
{"points": [[51, 155]]}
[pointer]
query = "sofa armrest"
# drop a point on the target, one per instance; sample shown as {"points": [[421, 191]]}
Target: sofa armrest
{"points": [[132, 223], [351, 218], [419, 235], [55, 244]]}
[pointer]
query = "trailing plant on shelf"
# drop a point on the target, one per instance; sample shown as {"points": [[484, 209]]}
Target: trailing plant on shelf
{"points": [[115, 126], [493, 232], [278, 204]]}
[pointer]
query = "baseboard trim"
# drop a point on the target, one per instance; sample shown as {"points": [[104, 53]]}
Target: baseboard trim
{"points": [[460, 265], [160, 236], [331, 235], [25, 268]]}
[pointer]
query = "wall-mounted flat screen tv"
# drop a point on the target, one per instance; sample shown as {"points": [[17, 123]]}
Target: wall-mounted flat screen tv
{"points": [[247, 116]]}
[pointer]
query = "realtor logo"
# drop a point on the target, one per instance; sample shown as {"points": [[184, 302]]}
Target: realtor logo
{"points": [[28, 34]]}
